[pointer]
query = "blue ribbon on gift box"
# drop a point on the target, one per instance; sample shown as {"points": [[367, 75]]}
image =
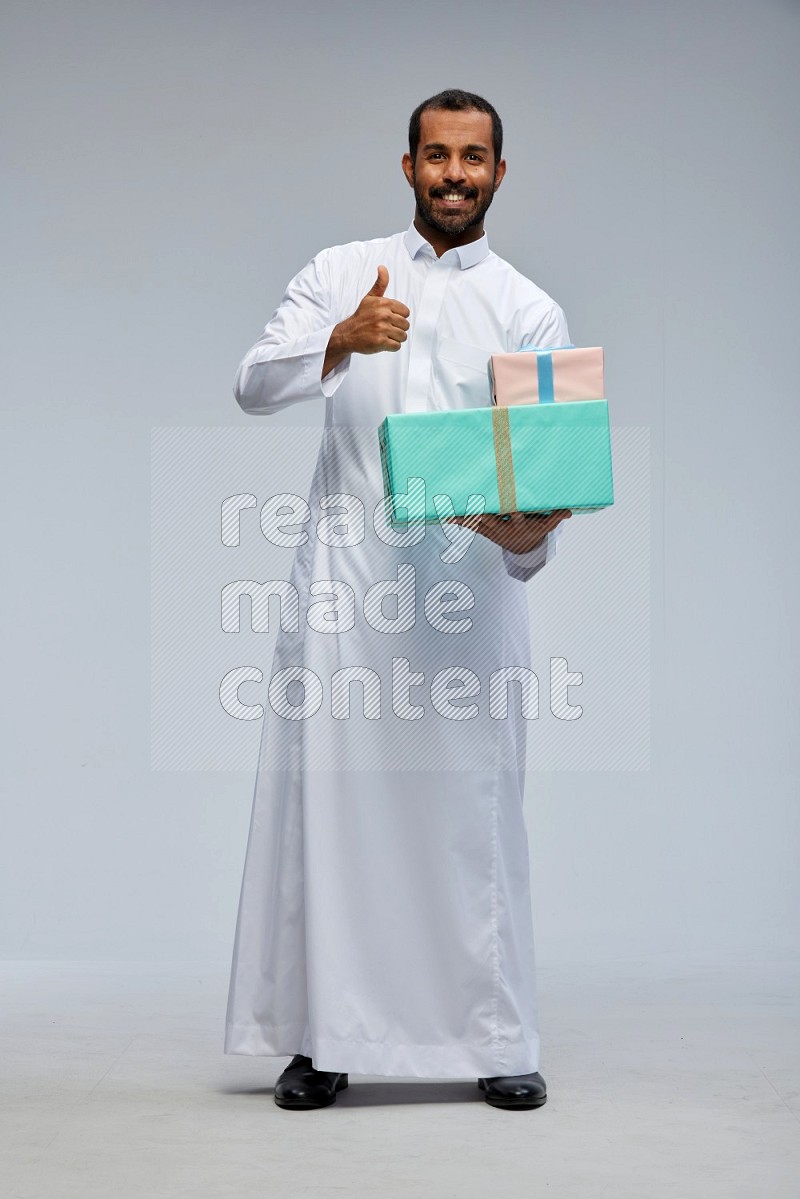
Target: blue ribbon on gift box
{"points": [[544, 364]]}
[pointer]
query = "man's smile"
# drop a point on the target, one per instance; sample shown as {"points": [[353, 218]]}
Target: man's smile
{"points": [[452, 199]]}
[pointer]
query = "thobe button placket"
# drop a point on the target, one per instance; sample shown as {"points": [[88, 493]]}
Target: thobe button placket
{"points": [[418, 385]]}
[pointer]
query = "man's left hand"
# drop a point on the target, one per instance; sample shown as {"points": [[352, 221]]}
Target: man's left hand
{"points": [[518, 532]]}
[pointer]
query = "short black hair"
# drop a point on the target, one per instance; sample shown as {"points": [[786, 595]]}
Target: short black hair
{"points": [[454, 100]]}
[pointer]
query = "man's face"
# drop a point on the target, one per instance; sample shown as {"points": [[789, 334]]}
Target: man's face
{"points": [[455, 175]]}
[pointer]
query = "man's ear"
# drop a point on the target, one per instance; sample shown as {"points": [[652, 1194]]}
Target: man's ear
{"points": [[408, 169], [499, 173]]}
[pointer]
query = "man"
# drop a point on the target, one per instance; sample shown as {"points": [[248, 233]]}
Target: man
{"points": [[384, 922]]}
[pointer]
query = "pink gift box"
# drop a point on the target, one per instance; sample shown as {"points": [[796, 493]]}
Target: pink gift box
{"points": [[565, 374]]}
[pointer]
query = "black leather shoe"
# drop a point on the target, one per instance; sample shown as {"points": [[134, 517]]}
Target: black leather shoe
{"points": [[301, 1086], [521, 1091]]}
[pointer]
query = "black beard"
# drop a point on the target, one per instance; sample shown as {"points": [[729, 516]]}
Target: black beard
{"points": [[456, 224]]}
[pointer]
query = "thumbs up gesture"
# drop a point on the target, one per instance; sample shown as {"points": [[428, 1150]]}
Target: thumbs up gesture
{"points": [[380, 284], [378, 323]]}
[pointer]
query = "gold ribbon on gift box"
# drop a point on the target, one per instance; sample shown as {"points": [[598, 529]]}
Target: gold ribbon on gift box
{"points": [[504, 460]]}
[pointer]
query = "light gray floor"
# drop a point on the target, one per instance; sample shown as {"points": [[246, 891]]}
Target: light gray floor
{"points": [[664, 1080]]}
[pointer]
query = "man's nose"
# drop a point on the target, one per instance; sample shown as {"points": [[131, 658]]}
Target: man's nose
{"points": [[455, 172]]}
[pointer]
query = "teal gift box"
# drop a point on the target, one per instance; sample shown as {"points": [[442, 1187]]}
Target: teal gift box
{"points": [[524, 458]]}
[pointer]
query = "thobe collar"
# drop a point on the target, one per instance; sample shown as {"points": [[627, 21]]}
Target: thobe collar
{"points": [[462, 256]]}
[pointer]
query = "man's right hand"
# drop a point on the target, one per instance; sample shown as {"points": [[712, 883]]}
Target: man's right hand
{"points": [[377, 324]]}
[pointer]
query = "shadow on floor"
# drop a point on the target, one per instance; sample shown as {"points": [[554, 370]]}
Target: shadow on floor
{"points": [[378, 1094]]}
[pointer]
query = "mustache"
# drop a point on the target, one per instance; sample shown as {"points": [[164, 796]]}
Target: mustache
{"points": [[467, 193]]}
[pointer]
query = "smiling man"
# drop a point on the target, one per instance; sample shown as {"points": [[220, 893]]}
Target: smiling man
{"points": [[454, 180], [384, 923]]}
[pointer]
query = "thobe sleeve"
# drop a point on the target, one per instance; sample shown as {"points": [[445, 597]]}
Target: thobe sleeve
{"points": [[285, 364], [550, 331], [525, 566]]}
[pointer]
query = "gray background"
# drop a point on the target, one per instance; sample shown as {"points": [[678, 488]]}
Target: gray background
{"points": [[167, 169]]}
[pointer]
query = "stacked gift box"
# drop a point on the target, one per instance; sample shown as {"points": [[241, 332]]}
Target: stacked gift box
{"points": [[541, 443]]}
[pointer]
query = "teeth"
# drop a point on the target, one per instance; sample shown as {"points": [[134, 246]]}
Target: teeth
{"points": [[454, 196]]}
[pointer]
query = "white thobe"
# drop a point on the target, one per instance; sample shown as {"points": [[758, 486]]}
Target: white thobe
{"points": [[384, 923]]}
